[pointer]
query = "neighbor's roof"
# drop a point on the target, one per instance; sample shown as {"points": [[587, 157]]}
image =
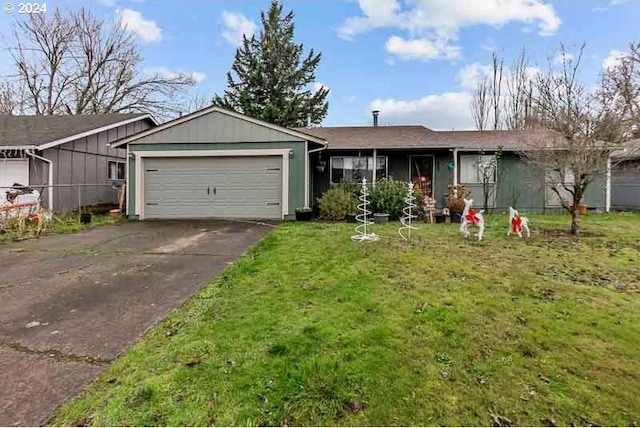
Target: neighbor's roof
{"points": [[630, 150], [41, 132], [419, 137]]}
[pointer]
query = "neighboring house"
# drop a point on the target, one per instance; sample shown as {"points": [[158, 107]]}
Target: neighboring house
{"points": [[436, 159], [216, 163], [625, 177], [67, 157]]}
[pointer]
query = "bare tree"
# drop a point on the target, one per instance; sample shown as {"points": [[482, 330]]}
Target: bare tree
{"points": [[9, 101], [585, 129], [481, 105], [518, 100], [488, 167], [496, 89], [623, 83], [73, 63]]}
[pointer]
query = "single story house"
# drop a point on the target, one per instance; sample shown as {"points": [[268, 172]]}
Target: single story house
{"points": [[218, 163], [67, 158], [433, 160], [625, 177]]}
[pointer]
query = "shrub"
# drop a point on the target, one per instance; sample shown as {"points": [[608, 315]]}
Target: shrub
{"points": [[455, 197], [388, 197], [336, 203]]}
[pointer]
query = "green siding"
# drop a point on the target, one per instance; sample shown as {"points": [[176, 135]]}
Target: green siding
{"points": [[296, 165], [523, 187]]}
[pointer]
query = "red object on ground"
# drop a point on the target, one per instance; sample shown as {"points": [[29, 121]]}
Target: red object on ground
{"points": [[472, 217], [516, 225]]}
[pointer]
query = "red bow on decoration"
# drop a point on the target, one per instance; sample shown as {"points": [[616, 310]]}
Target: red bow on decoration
{"points": [[516, 224], [472, 217]]}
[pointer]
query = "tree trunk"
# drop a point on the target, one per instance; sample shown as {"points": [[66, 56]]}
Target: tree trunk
{"points": [[575, 222]]}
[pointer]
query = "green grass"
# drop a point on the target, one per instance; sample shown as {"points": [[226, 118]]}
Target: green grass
{"points": [[312, 329], [65, 223]]}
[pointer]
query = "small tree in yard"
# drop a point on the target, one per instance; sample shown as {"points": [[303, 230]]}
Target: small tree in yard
{"points": [[585, 127], [488, 175]]}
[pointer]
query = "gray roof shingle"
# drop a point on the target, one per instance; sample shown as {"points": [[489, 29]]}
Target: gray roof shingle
{"points": [[16, 131], [419, 137]]}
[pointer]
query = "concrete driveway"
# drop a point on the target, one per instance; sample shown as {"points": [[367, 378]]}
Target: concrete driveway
{"points": [[70, 304]]}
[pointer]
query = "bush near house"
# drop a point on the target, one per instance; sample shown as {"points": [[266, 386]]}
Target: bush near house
{"points": [[388, 196], [336, 203]]}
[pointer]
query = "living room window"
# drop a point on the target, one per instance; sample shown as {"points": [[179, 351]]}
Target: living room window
{"points": [[354, 168], [116, 170], [473, 168]]}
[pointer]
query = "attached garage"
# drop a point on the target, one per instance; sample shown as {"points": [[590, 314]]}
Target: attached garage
{"points": [[13, 171], [218, 164]]}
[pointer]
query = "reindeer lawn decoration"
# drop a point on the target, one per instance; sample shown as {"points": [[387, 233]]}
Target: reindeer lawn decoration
{"points": [[518, 224], [471, 218]]}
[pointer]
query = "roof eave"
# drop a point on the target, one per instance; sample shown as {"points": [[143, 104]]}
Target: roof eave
{"points": [[74, 137]]}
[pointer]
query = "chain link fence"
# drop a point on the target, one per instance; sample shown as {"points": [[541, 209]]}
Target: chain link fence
{"points": [[61, 198]]}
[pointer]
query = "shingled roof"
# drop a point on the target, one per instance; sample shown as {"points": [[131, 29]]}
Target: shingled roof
{"points": [[34, 131], [419, 137], [630, 150]]}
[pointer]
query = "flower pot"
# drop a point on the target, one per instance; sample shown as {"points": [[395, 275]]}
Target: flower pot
{"points": [[582, 209], [456, 216], [304, 214], [351, 218], [85, 218], [380, 218]]}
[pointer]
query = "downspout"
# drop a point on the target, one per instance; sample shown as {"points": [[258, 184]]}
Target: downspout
{"points": [[306, 174], [50, 179], [608, 187]]}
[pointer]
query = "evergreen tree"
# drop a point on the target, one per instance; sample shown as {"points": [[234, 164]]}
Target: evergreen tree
{"points": [[269, 78]]}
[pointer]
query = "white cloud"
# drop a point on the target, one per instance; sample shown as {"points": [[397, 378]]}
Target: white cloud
{"points": [[432, 24], [422, 48], [448, 16], [444, 111], [169, 74], [145, 29], [471, 74], [236, 25], [613, 59]]}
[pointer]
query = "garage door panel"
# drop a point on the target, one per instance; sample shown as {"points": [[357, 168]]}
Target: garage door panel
{"points": [[232, 187]]}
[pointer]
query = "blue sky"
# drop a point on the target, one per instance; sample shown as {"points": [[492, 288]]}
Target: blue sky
{"points": [[415, 60]]}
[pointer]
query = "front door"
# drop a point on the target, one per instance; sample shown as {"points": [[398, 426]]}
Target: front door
{"points": [[421, 173]]}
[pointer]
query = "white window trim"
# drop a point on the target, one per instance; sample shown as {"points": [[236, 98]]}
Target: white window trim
{"points": [[386, 165], [141, 155], [477, 159], [109, 161]]}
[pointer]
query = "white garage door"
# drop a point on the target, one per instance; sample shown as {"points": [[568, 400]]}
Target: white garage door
{"points": [[13, 171], [213, 187]]}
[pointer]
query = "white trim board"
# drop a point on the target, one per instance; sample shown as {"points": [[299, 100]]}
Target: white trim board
{"points": [[208, 110], [141, 155]]}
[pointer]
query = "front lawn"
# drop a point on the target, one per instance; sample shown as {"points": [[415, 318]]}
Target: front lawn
{"points": [[310, 328]]}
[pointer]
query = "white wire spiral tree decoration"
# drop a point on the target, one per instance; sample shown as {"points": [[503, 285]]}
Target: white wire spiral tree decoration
{"points": [[408, 211], [362, 217]]}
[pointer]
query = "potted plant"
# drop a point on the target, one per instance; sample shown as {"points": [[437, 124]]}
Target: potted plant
{"points": [[304, 214], [380, 218], [455, 201]]}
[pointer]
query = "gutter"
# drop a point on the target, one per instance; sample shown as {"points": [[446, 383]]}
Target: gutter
{"points": [[50, 173]]}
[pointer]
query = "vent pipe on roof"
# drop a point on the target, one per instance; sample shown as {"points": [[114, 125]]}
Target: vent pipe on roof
{"points": [[375, 114]]}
